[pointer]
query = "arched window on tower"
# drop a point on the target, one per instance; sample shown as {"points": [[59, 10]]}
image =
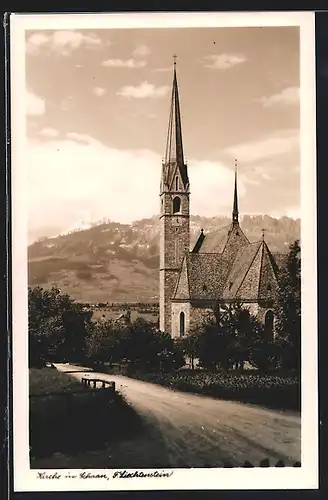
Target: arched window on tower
{"points": [[176, 183], [268, 325], [176, 204], [182, 324]]}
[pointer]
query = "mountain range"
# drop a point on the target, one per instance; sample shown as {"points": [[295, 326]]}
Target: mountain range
{"points": [[113, 262]]}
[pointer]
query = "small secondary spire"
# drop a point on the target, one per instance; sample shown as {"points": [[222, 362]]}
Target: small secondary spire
{"points": [[235, 213]]}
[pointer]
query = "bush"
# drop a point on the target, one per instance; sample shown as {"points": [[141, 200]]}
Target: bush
{"points": [[57, 327], [139, 344], [271, 390]]}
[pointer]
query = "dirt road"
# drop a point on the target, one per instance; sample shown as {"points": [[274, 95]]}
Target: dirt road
{"points": [[187, 430]]}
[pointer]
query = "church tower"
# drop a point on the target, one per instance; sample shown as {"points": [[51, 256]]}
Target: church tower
{"points": [[174, 212]]}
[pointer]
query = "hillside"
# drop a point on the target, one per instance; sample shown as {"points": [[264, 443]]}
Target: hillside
{"points": [[119, 262]]}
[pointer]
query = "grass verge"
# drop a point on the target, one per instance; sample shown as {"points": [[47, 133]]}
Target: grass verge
{"points": [[67, 417]]}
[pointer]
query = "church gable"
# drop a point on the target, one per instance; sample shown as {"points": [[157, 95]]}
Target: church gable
{"points": [[249, 287], [182, 288], [235, 241], [240, 267], [177, 180], [268, 284], [253, 276]]}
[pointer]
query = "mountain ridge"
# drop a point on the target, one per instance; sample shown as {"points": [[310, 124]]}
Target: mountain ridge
{"points": [[111, 261]]}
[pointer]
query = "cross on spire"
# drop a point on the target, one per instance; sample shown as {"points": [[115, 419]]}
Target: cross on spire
{"points": [[235, 213], [175, 60]]}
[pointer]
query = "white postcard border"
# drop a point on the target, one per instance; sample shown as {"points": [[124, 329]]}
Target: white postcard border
{"points": [[304, 477]]}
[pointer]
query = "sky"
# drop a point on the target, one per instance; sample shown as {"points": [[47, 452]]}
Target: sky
{"points": [[97, 110]]}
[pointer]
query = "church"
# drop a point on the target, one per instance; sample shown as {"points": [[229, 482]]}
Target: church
{"points": [[222, 267]]}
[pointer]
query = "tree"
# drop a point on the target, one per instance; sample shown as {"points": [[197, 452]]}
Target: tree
{"points": [[144, 346], [189, 344], [232, 338], [103, 342], [212, 345], [288, 308], [58, 326], [243, 331]]}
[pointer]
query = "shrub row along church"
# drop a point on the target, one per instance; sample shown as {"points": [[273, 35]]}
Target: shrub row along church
{"points": [[223, 267]]}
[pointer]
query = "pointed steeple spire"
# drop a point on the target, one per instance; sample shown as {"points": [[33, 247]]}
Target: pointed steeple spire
{"points": [[174, 147], [235, 213]]}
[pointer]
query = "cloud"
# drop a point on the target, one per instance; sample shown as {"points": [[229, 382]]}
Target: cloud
{"points": [[223, 61], [143, 90], [34, 104], [49, 132], [81, 174], [99, 91], [37, 40], [62, 42], [290, 95], [133, 62], [164, 69], [78, 174], [141, 51], [124, 63], [212, 187], [281, 142], [66, 103]]}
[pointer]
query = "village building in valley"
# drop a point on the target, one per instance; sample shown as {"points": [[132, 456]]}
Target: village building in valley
{"points": [[221, 268]]}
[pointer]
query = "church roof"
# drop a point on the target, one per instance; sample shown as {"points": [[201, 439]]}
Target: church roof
{"points": [[214, 242], [202, 276], [228, 240], [253, 275], [247, 258]]}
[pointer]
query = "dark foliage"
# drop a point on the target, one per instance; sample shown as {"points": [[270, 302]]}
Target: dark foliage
{"points": [[271, 390], [138, 344], [230, 340], [288, 309], [57, 327]]}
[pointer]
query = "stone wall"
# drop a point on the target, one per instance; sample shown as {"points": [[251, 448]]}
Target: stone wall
{"points": [[174, 243], [167, 282], [174, 240], [195, 315], [177, 308], [200, 314]]}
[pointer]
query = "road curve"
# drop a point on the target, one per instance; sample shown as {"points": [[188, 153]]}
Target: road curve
{"points": [[188, 430]]}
